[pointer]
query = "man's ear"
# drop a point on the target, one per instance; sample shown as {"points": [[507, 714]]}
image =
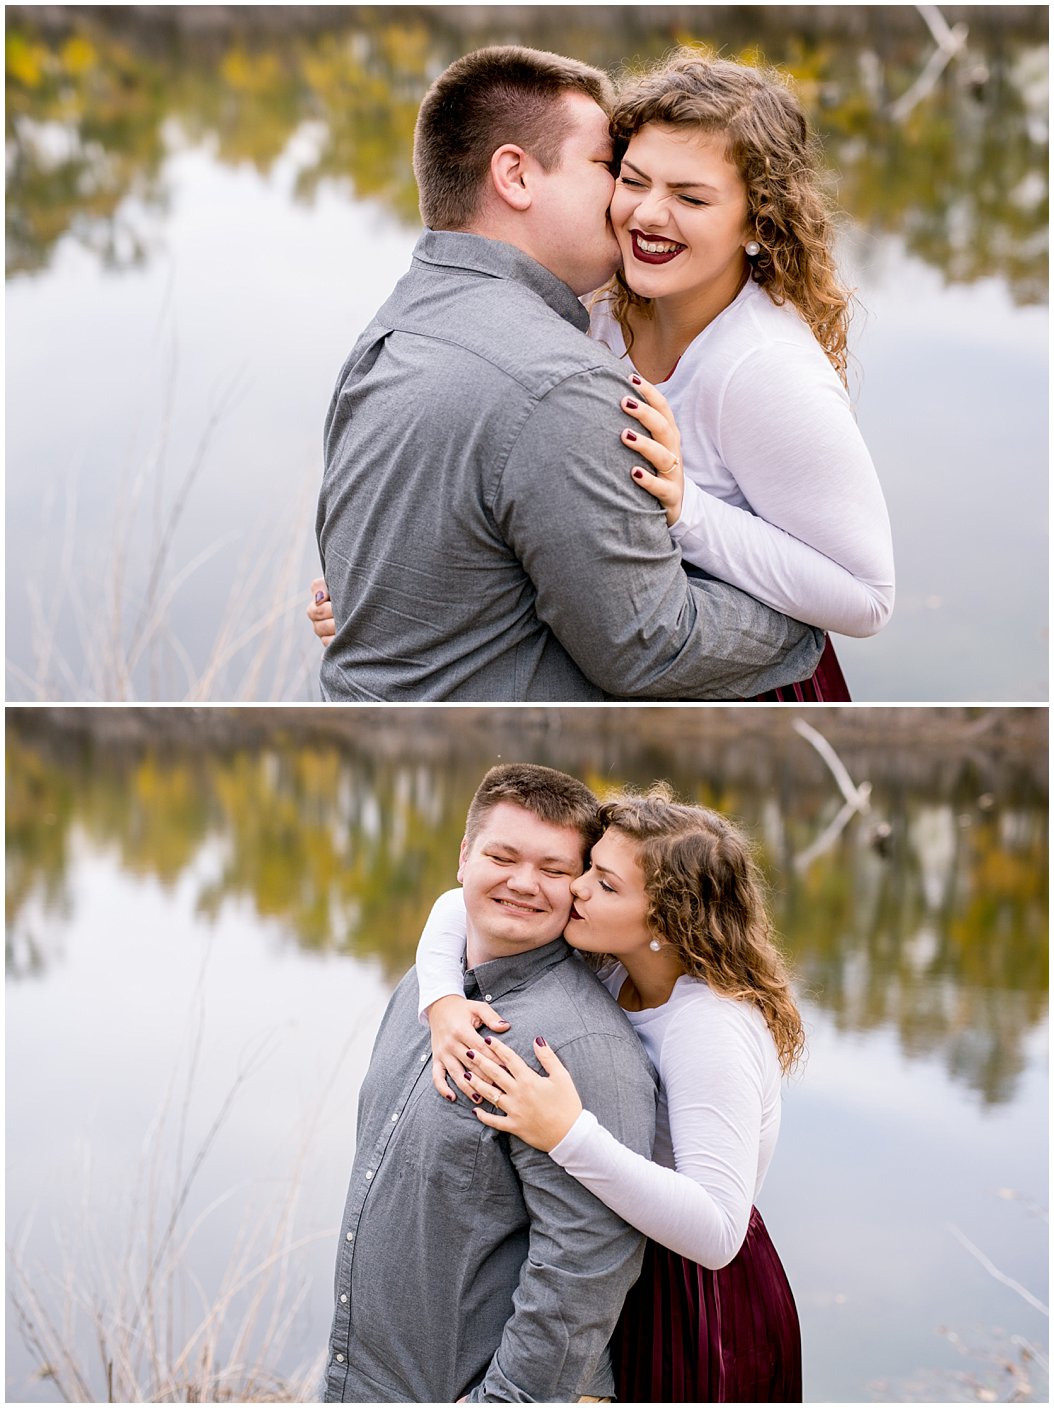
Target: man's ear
{"points": [[461, 859], [508, 172]]}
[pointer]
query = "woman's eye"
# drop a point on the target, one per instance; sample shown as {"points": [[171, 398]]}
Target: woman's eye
{"points": [[629, 181], [606, 888], [693, 201]]}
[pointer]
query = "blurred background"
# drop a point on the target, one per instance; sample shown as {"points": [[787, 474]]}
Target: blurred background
{"points": [[207, 910], [206, 204]]}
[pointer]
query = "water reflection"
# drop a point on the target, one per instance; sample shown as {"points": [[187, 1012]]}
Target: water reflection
{"points": [[927, 917], [97, 97]]}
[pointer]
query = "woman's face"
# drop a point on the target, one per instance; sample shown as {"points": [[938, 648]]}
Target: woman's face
{"points": [[608, 914], [680, 215]]}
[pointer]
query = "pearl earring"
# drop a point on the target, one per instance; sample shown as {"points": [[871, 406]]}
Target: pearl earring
{"points": [[655, 945], [752, 248]]}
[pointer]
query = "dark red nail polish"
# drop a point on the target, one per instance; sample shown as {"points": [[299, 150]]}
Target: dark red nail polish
{"points": [[638, 474], [539, 1041], [471, 1055], [477, 1099], [487, 1040], [319, 597], [630, 435], [632, 405], [636, 380], [467, 1075]]}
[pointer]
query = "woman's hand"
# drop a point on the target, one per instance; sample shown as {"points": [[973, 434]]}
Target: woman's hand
{"points": [[662, 451], [320, 612], [538, 1109], [454, 1023]]}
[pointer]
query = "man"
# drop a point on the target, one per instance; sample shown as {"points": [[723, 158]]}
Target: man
{"points": [[469, 1263], [479, 530]]}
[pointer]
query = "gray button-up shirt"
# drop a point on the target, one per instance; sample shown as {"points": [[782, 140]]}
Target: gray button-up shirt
{"points": [[480, 532], [468, 1262]]}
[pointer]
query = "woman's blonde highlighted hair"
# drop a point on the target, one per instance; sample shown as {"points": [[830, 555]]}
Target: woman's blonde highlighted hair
{"points": [[705, 899], [769, 142]]}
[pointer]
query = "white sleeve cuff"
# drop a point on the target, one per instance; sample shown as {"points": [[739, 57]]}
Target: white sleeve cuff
{"points": [[693, 508], [575, 1140]]}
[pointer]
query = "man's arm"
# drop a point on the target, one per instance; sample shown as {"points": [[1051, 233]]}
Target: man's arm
{"points": [[609, 582], [582, 1259]]}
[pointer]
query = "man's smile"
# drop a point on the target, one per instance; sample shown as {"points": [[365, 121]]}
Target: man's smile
{"points": [[518, 906]]}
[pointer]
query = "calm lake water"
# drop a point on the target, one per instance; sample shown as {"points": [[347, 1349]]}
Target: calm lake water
{"points": [[203, 213], [232, 895]]}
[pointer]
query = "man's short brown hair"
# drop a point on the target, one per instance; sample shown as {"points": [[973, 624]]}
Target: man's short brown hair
{"points": [[553, 797], [482, 101]]}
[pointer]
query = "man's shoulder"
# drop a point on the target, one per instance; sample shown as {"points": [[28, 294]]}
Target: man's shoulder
{"points": [[595, 1039], [402, 1005], [499, 321], [577, 1004]]}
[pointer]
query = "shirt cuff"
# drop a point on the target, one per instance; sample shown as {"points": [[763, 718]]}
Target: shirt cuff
{"points": [[693, 511], [575, 1139], [427, 998]]}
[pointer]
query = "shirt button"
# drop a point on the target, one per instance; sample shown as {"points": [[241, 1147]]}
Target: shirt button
{"points": [[424, 1058], [369, 1173], [340, 1359], [395, 1116], [488, 997], [343, 1300], [351, 1236]]}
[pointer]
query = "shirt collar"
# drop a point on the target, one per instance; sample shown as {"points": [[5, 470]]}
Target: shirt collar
{"points": [[501, 975], [457, 249]]}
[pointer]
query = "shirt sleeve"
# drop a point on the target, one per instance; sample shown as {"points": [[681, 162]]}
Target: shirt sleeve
{"points": [[582, 1258], [608, 581], [817, 544], [713, 1074], [440, 960]]}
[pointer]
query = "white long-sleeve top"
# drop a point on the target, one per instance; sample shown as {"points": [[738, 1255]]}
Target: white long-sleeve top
{"points": [[718, 1117], [781, 496]]}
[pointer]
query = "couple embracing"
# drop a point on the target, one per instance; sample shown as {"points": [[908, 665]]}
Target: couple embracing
{"points": [[512, 510], [565, 1211]]}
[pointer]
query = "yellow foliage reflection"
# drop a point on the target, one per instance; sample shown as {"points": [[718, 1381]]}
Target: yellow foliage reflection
{"points": [[938, 933], [962, 179]]}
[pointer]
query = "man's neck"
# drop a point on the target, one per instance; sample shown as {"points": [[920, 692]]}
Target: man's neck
{"points": [[477, 951], [508, 232]]}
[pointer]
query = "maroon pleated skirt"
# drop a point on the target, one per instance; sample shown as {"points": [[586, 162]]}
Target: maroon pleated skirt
{"points": [[826, 684], [689, 1335]]}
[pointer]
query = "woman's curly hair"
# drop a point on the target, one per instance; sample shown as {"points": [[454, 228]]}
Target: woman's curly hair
{"points": [[770, 144], [705, 900]]}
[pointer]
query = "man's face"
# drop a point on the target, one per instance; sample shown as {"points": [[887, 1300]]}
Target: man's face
{"points": [[572, 233], [516, 877]]}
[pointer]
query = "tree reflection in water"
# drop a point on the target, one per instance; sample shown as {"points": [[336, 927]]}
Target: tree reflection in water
{"points": [[96, 98], [936, 930]]}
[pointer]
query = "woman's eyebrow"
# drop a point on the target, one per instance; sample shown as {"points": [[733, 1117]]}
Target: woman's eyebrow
{"points": [[673, 185]]}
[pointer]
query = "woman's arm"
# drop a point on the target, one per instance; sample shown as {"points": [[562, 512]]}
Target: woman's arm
{"points": [[817, 545], [714, 1078], [440, 958], [453, 1020]]}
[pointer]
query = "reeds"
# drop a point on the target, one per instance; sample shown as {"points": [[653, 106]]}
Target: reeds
{"points": [[143, 1322], [119, 621]]}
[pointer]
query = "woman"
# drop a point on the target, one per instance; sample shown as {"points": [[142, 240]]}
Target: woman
{"points": [[728, 300], [671, 913]]}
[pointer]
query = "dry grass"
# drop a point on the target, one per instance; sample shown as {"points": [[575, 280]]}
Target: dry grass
{"points": [[122, 616], [141, 1323]]}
